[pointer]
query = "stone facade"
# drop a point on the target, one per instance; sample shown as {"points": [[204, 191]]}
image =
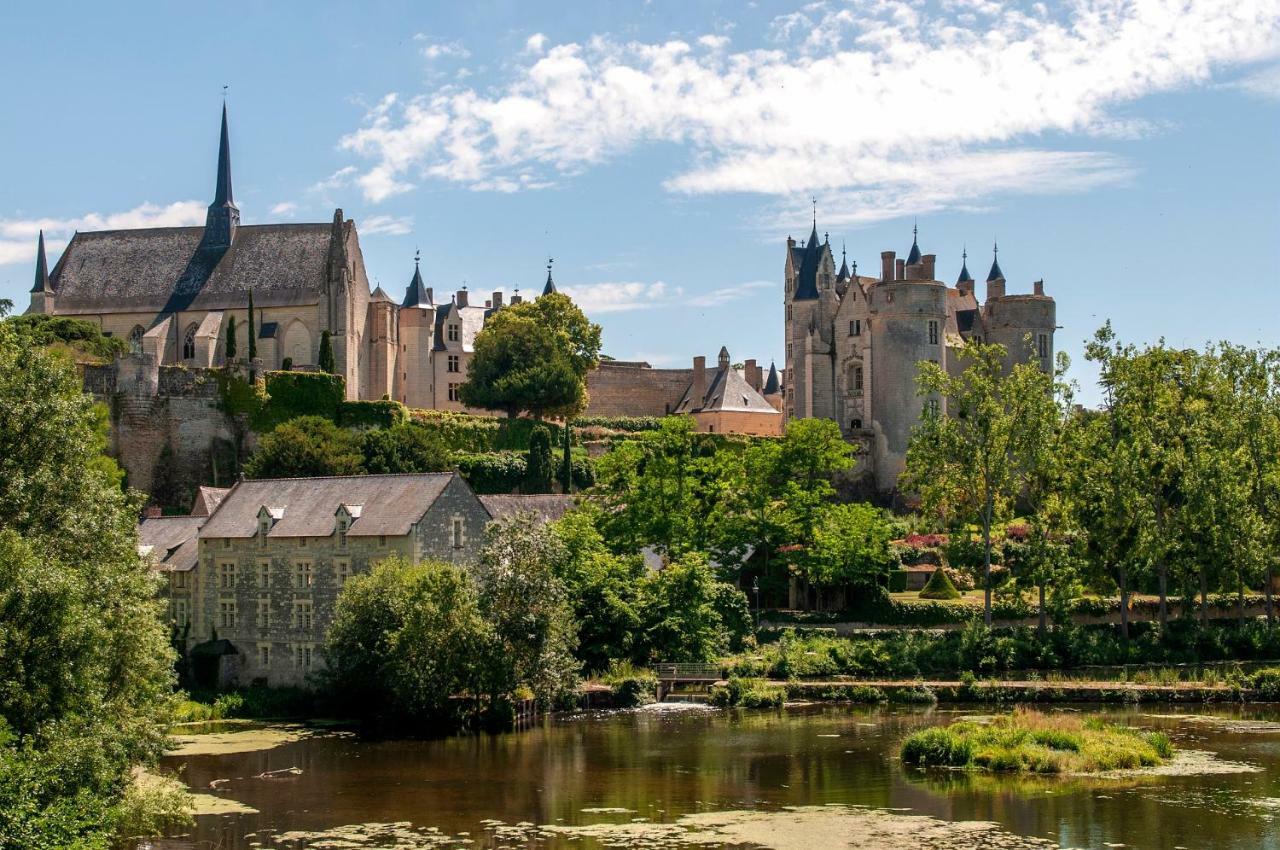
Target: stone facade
{"points": [[854, 343]]}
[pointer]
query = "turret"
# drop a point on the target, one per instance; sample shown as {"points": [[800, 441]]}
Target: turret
{"points": [[1023, 324]]}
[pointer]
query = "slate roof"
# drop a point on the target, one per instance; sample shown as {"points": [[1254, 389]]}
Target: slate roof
{"points": [[807, 259], [380, 294], [416, 295], [208, 499], [772, 384], [42, 268], [471, 320], [164, 269], [547, 507], [727, 392], [171, 542], [550, 285], [391, 504]]}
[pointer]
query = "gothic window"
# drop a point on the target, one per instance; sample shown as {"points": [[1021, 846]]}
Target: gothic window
{"points": [[855, 327], [933, 333], [788, 312], [189, 344], [135, 340], [857, 380]]}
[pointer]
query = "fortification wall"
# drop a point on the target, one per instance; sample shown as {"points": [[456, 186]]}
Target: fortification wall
{"points": [[633, 390]]}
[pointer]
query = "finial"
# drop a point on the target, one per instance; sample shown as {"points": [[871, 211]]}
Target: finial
{"points": [[854, 273], [815, 212], [826, 237], [550, 260], [842, 246], [964, 253], [417, 255], [224, 94], [915, 228], [995, 248]]}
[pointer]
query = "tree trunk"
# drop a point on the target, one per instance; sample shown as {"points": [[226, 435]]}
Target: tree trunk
{"points": [[1124, 605], [1164, 596], [1204, 598], [1044, 625]]}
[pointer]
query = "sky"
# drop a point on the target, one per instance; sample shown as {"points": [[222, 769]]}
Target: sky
{"points": [[1125, 152]]}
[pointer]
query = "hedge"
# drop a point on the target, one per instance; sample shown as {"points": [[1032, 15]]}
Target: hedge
{"points": [[468, 433], [619, 423], [82, 335], [372, 414], [493, 472], [293, 394], [897, 581]]}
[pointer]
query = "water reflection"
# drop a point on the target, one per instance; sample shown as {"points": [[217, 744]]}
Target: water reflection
{"points": [[659, 766]]}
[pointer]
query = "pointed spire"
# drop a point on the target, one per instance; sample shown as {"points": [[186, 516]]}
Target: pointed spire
{"points": [[42, 268], [551, 284], [995, 273], [224, 216], [772, 384], [914, 256], [417, 295], [965, 277], [844, 265], [723, 358]]}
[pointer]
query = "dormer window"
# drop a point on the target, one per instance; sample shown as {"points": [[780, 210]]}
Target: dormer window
{"points": [[453, 333], [267, 518], [343, 517]]}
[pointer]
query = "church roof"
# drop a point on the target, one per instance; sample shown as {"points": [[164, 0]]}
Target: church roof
{"points": [[772, 384], [222, 194], [163, 269], [844, 268]]}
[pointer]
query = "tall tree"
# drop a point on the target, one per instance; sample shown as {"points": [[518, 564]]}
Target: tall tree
{"points": [[533, 357], [971, 462], [538, 471], [230, 347], [326, 361], [306, 446], [253, 333]]}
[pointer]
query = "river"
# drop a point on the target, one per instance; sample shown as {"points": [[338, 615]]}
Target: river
{"points": [[737, 778]]}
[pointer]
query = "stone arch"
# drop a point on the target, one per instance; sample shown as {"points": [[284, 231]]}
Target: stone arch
{"points": [[296, 344], [135, 339], [189, 342]]}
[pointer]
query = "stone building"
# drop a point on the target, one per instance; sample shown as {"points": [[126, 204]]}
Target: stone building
{"points": [[853, 342], [260, 575]]}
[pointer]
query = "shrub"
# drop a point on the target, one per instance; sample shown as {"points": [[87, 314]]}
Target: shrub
{"points": [[538, 471], [939, 587], [1266, 684], [619, 423], [897, 581], [293, 394], [493, 472], [38, 329], [630, 685], [748, 693], [384, 413]]}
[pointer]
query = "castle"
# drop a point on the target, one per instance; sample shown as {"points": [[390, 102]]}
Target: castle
{"points": [[853, 342]]}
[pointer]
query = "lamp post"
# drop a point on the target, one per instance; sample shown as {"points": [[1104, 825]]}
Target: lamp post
{"points": [[755, 585]]}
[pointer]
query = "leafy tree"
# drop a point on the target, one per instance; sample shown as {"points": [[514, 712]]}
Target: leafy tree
{"points": [[253, 333], [306, 446], [538, 470], [85, 667], [683, 610], [971, 463], [230, 347], [326, 361], [528, 608], [533, 357], [850, 545], [407, 447], [404, 640]]}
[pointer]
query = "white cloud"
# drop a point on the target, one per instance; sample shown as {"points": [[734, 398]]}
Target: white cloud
{"points": [[621, 297], [1264, 83], [726, 294], [18, 236], [536, 43], [868, 100], [443, 50], [284, 208], [389, 224]]}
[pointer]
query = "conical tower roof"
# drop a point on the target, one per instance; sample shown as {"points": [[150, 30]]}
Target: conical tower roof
{"points": [[965, 277], [914, 256], [995, 273], [42, 268], [772, 384], [416, 295]]}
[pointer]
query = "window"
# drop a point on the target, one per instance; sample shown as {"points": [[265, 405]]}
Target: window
{"points": [[189, 344], [302, 656], [458, 537], [178, 580], [264, 655], [789, 351], [264, 574], [302, 613], [933, 333], [181, 616], [826, 281], [227, 614], [382, 540], [453, 363], [342, 572], [855, 327], [227, 575], [135, 339], [226, 543], [453, 392], [856, 424], [264, 527], [342, 539], [888, 297], [857, 380], [264, 612], [453, 333], [931, 407], [1042, 345], [302, 575], [788, 312], [302, 542]]}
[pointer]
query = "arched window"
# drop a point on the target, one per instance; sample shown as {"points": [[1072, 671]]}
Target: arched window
{"points": [[135, 339], [189, 344], [856, 424]]}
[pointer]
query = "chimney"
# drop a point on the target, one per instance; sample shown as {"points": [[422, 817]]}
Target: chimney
{"points": [[461, 299], [1038, 287], [431, 296], [153, 512], [497, 300], [928, 261], [516, 299], [699, 380], [488, 305], [902, 269], [753, 375], [886, 265]]}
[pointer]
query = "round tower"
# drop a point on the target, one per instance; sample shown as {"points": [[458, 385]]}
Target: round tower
{"points": [[1023, 324], [908, 316]]}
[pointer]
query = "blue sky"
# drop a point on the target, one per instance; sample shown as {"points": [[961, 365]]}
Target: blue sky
{"points": [[1126, 152]]}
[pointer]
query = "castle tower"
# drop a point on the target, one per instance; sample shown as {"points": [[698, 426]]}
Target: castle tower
{"points": [[224, 216], [810, 301], [42, 290], [384, 346], [908, 310], [417, 320], [1023, 324]]}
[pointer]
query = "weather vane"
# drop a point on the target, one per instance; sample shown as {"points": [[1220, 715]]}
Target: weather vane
{"points": [[224, 93]]}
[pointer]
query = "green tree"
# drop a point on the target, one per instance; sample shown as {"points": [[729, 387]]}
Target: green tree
{"points": [[407, 447], [253, 333], [405, 639], [528, 608], [682, 610], [85, 667], [533, 357], [305, 447], [850, 546], [230, 347], [326, 361], [538, 471], [969, 464]]}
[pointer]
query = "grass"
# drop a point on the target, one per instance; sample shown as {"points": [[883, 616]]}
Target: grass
{"points": [[749, 693], [1033, 742]]}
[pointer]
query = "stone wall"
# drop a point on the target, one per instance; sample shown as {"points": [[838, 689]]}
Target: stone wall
{"points": [[630, 389]]}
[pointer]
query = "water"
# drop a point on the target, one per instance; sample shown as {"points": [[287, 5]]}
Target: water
{"points": [[663, 764]]}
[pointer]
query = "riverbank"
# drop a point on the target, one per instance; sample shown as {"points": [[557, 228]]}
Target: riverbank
{"points": [[1009, 691]]}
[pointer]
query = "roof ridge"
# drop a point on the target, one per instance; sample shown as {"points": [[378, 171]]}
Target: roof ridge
{"points": [[349, 477]]}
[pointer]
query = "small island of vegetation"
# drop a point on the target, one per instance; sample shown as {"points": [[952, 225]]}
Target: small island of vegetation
{"points": [[1033, 742]]}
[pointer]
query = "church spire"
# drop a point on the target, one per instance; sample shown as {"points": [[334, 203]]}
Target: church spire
{"points": [[224, 216], [42, 268], [551, 284]]}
